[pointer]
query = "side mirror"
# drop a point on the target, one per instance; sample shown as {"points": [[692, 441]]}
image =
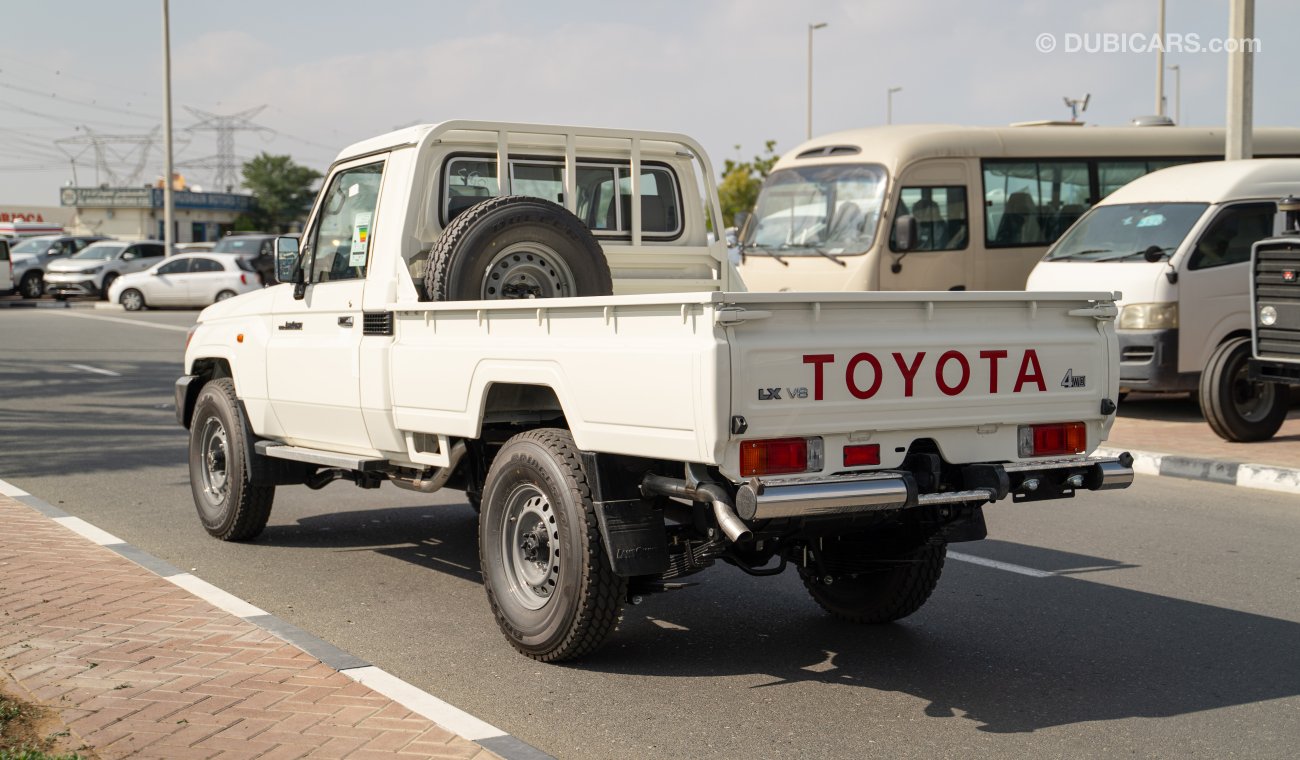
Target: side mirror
{"points": [[128, 256], [905, 233], [286, 258], [741, 219]]}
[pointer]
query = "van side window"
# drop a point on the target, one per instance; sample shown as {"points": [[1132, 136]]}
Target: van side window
{"points": [[339, 242], [1229, 237], [940, 213], [1030, 203]]}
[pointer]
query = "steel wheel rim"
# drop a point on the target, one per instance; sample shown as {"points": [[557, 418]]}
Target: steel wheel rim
{"points": [[530, 546], [1251, 400], [526, 270], [132, 300], [214, 469]]}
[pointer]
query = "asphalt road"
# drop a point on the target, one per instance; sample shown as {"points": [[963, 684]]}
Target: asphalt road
{"points": [[1162, 621]]}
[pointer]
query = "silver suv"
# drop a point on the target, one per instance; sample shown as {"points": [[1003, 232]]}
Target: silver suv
{"points": [[33, 255], [91, 271]]}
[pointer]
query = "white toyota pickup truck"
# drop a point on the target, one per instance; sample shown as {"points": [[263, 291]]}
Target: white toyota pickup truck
{"points": [[561, 340]]}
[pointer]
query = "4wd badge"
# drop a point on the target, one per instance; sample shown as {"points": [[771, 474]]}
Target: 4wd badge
{"points": [[1072, 380]]}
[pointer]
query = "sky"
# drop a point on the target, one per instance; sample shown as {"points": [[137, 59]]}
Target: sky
{"points": [[727, 72]]}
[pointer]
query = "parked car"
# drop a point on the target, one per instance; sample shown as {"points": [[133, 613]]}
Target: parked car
{"points": [[92, 271], [31, 256], [186, 279], [6, 269], [257, 248]]}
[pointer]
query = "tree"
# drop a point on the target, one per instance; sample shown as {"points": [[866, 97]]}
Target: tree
{"points": [[282, 191], [741, 180]]}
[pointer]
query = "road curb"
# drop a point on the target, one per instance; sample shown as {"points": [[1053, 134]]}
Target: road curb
{"points": [[406, 694], [1262, 477]]}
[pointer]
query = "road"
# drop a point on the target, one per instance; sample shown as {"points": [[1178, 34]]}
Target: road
{"points": [[1161, 621]]}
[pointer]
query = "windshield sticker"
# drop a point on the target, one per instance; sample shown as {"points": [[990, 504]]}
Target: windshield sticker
{"points": [[1152, 220], [360, 238]]}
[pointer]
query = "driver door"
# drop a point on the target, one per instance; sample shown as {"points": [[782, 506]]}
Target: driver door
{"points": [[313, 355]]}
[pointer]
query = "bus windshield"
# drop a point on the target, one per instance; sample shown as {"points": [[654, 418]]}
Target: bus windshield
{"points": [[817, 210], [1127, 231]]}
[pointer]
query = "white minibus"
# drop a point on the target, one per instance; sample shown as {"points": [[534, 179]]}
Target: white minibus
{"points": [[949, 208]]}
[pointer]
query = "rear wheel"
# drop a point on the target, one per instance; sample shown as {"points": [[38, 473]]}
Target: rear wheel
{"points": [[1236, 408], [223, 295], [230, 507], [33, 285], [895, 588], [547, 578], [131, 299]]}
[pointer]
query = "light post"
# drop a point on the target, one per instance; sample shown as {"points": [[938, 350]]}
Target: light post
{"points": [[1160, 63], [889, 104], [811, 29], [168, 235], [1178, 93]]}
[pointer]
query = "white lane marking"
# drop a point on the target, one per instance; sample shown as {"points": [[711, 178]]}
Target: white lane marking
{"points": [[1010, 568], [70, 313], [216, 597], [96, 370], [86, 530], [423, 703], [9, 489]]}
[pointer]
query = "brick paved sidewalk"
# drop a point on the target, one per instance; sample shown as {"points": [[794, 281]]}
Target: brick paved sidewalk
{"points": [[138, 667]]}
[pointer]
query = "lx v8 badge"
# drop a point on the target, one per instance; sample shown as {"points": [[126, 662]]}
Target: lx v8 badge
{"points": [[291, 326], [774, 394]]}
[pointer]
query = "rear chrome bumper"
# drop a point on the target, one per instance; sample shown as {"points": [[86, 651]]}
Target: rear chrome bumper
{"points": [[886, 490]]}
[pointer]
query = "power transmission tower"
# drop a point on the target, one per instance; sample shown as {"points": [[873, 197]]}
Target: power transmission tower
{"points": [[109, 159], [226, 169]]}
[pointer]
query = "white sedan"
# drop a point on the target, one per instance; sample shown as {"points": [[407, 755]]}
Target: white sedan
{"points": [[187, 279]]}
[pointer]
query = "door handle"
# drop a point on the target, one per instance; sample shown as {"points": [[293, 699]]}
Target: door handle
{"points": [[345, 321]]}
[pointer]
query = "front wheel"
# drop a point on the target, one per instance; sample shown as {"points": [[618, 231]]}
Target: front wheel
{"points": [[1237, 408], [131, 300], [547, 578], [888, 589], [230, 506], [33, 285]]}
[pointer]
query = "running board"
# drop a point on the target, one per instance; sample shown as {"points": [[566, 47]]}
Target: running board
{"points": [[316, 456]]}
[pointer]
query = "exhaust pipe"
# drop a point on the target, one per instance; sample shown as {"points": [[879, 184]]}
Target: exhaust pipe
{"points": [[732, 527], [439, 477]]}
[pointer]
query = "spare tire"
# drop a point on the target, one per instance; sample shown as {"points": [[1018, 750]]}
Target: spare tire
{"points": [[516, 247]]}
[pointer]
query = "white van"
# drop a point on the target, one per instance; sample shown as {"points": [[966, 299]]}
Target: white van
{"points": [[1177, 243], [6, 269]]}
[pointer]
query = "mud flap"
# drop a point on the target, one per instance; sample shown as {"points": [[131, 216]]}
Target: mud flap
{"points": [[636, 540]]}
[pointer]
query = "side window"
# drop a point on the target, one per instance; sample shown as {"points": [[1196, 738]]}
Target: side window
{"points": [[339, 242], [1030, 203], [150, 251], [941, 220], [206, 265], [79, 243], [61, 248], [180, 266], [1229, 237]]}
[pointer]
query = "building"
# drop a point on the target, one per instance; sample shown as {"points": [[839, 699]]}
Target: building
{"points": [[137, 212]]}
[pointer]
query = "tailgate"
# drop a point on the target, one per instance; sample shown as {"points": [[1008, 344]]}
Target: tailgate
{"points": [[963, 369]]}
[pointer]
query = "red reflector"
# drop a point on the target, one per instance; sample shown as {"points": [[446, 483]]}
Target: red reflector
{"points": [[776, 456], [1054, 440], [858, 455]]}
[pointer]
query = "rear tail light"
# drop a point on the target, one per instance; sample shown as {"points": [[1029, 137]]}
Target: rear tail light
{"points": [[780, 456], [1055, 439], [243, 279]]}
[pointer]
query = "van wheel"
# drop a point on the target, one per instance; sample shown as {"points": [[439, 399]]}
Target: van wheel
{"points": [[516, 247], [33, 285], [893, 591], [1237, 408], [230, 507], [547, 578]]}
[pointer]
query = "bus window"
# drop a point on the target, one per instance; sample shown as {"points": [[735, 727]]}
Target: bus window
{"points": [[940, 213], [1030, 203]]}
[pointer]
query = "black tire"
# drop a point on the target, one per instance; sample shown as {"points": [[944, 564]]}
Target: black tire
{"points": [[884, 595], [230, 507], [223, 295], [131, 300], [109, 279], [516, 247], [547, 578], [33, 285], [1236, 408]]}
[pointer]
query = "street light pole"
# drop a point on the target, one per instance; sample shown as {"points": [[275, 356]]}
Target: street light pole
{"points": [[167, 131], [811, 29], [889, 104], [1241, 81], [1178, 93], [1160, 63]]}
